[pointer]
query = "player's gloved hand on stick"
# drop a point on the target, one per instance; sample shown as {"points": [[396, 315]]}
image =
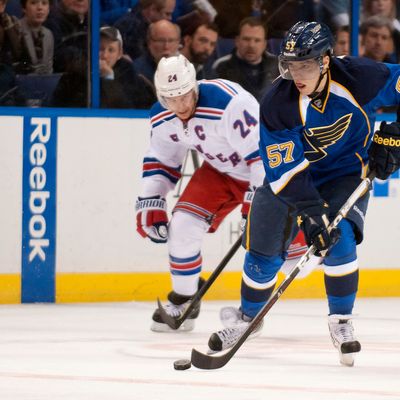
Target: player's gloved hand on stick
{"points": [[312, 218], [247, 199], [384, 152], [152, 219]]}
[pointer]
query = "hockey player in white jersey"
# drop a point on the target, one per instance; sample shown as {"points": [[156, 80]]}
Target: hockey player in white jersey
{"points": [[220, 120]]}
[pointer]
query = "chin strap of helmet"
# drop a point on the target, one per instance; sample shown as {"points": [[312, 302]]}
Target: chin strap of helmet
{"points": [[315, 92]]}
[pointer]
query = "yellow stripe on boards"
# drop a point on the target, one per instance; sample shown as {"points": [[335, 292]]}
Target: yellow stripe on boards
{"points": [[10, 288], [104, 287]]}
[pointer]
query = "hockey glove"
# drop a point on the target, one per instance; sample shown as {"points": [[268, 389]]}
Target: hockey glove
{"points": [[247, 199], [151, 218], [312, 218], [384, 152]]}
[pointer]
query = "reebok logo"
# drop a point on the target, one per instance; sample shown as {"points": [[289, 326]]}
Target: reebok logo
{"points": [[388, 142], [38, 196]]}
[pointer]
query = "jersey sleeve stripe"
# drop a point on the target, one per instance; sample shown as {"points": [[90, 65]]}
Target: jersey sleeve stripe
{"points": [[151, 167], [147, 174], [279, 184], [253, 157], [223, 85], [209, 110], [208, 113]]}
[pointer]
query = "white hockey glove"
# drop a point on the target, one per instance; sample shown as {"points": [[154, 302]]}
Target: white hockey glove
{"points": [[152, 219]]}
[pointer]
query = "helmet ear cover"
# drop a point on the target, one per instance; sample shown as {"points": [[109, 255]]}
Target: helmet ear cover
{"points": [[175, 76]]}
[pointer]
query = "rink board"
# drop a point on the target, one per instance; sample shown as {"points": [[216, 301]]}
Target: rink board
{"points": [[69, 183]]}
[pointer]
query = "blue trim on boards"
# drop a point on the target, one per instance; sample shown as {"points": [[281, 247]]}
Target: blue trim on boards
{"points": [[38, 253], [74, 112]]}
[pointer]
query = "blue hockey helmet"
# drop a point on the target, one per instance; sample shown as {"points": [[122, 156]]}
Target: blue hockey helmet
{"points": [[305, 41]]}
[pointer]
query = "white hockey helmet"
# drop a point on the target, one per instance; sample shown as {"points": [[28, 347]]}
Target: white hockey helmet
{"points": [[175, 76]]}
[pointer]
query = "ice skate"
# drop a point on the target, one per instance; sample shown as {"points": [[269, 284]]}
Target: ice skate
{"points": [[342, 334], [175, 307], [235, 323]]}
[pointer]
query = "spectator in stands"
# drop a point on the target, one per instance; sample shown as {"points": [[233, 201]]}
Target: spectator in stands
{"points": [[37, 47], [199, 45], [342, 41], [249, 64], [387, 9], [133, 25], [376, 36], [163, 38], [68, 20], [10, 37], [121, 86]]}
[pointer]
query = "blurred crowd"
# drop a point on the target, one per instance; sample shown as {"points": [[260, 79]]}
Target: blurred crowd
{"points": [[44, 55]]}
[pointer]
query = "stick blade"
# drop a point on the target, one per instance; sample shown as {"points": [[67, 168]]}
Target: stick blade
{"points": [[173, 323], [207, 361]]}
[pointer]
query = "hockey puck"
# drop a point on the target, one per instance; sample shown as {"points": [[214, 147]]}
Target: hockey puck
{"points": [[182, 364]]}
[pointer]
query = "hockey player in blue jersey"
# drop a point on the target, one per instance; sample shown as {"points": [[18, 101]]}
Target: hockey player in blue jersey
{"points": [[316, 131]]}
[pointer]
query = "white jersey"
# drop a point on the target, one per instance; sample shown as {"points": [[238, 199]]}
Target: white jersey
{"points": [[224, 130]]}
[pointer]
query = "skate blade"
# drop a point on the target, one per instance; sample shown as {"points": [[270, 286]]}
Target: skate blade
{"points": [[346, 359], [187, 326]]}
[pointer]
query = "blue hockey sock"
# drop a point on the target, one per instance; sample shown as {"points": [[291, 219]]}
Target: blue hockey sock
{"points": [[258, 281]]}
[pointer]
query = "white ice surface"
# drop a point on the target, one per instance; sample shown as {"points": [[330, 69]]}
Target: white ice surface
{"points": [[106, 351]]}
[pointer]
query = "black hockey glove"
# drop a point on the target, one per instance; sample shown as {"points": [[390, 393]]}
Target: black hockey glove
{"points": [[384, 152], [312, 218]]}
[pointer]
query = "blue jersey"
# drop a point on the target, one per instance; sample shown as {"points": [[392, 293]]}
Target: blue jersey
{"points": [[305, 143]]}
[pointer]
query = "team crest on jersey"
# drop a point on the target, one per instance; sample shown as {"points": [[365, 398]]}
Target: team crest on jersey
{"points": [[398, 85], [322, 137]]}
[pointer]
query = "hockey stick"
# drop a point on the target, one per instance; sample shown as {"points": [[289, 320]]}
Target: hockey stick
{"points": [[207, 361], [175, 323]]}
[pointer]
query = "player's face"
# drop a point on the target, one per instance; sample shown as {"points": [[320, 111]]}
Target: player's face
{"points": [[183, 106], [306, 74]]}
